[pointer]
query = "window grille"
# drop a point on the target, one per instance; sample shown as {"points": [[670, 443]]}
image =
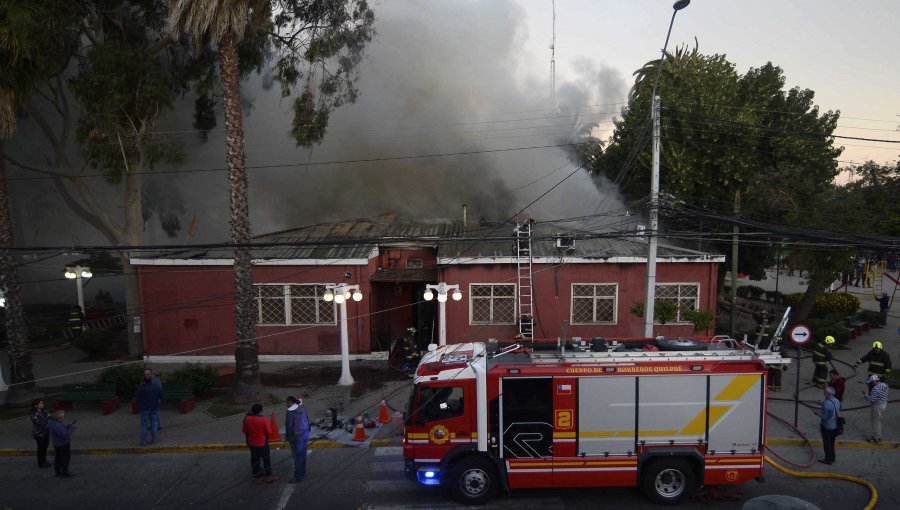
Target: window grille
{"points": [[686, 295], [594, 303], [492, 304]]}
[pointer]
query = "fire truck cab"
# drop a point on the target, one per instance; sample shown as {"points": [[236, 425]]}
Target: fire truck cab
{"points": [[482, 419]]}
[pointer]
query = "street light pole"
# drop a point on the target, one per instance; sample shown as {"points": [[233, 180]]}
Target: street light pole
{"points": [[340, 293], [77, 273], [442, 289], [3, 386], [653, 231]]}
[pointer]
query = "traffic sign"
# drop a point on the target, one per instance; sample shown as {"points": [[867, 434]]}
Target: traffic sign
{"points": [[800, 334]]}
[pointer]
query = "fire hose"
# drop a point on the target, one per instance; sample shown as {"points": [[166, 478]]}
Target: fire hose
{"points": [[837, 476]]}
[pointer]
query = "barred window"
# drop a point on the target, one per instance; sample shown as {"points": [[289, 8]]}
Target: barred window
{"points": [[686, 295], [293, 304], [492, 304], [594, 303]]}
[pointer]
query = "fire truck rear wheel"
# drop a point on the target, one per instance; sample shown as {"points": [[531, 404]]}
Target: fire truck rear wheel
{"points": [[669, 481], [473, 481]]}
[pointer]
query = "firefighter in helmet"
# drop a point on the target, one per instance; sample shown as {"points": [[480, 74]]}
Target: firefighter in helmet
{"points": [[410, 349], [879, 361], [821, 356]]}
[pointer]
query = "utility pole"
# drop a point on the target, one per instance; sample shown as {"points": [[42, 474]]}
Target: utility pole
{"points": [[650, 299], [734, 261]]}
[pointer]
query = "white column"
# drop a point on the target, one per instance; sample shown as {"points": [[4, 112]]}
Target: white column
{"points": [[346, 379]]}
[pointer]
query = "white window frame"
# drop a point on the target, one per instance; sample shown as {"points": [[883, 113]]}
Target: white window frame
{"points": [[678, 318], [286, 296], [615, 300], [492, 322]]}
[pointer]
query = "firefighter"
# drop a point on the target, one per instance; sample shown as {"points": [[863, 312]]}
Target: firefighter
{"points": [[76, 321], [411, 349], [775, 371], [821, 356], [878, 359]]}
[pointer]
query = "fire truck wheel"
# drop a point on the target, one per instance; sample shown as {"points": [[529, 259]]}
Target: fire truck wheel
{"points": [[473, 481], [668, 481], [680, 344]]}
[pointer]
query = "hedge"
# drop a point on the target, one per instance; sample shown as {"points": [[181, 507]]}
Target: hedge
{"points": [[843, 303]]}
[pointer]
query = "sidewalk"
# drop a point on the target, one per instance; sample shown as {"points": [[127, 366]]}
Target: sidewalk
{"points": [[200, 431]]}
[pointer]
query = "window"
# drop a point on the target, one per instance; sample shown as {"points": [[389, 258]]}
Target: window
{"points": [[438, 404], [492, 304], [293, 304], [594, 303], [686, 295]]}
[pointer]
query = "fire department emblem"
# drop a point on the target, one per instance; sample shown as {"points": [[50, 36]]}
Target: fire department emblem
{"points": [[732, 475], [439, 434]]}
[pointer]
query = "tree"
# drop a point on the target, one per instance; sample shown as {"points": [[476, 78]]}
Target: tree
{"points": [[27, 46], [301, 32]]}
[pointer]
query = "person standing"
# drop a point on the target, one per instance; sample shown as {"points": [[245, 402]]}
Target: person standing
{"points": [[296, 430], [61, 437], [828, 424], [821, 356], [878, 397], [39, 431], [879, 360], [884, 304], [156, 381], [148, 396], [838, 383], [256, 430]]}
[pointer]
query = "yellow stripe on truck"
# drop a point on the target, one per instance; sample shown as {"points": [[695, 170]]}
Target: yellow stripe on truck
{"points": [[737, 387]]}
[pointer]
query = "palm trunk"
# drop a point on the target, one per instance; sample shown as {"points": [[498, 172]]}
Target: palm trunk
{"points": [[246, 351], [20, 363]]}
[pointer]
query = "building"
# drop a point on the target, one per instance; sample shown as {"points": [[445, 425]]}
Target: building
{"points": [[587, 282]]}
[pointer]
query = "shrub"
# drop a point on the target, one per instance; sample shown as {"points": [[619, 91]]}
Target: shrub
{"points": [[841, 334], [201, 378], [872, 317], [126, 377], [754, 291], [702, 319], [839, 303], [743, 291], [773, 296], [95, 342]]}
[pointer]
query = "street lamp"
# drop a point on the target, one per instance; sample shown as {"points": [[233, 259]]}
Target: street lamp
{"points": [[3, 385], [340, 293], [77, 273], [442, 289], [650, 301]]}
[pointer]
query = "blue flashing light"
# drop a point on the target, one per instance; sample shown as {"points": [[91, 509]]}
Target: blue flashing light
{"points": [[429, 477]]}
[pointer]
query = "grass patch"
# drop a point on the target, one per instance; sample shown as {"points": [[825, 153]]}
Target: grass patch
{"points": [[221, 407]]}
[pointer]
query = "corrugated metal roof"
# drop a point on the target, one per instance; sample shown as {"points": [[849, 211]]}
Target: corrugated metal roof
{"points": [[356, 239]]}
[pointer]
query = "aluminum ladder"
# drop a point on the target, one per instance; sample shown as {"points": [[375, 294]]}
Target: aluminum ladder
{"points": [[525, 301]]}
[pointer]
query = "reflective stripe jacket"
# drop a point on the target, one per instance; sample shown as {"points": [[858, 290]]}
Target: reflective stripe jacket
{"points": [[879, 362], [821, 353]]}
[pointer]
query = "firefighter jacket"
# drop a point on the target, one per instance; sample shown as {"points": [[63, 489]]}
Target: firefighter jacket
{"points": [[821, 353], [879, 361]]}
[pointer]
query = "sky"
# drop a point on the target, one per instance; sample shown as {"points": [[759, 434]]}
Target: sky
{"points": [[455, 108]]}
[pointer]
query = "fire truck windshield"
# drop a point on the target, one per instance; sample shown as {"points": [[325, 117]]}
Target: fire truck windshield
{"points": [[430, 404]]}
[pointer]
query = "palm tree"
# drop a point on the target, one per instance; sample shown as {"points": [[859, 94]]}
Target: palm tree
{"points": [[225, 22]]}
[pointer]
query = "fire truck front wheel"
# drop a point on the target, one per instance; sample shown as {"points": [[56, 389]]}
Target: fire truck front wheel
{"points": [[669, 481], [473, 481]]}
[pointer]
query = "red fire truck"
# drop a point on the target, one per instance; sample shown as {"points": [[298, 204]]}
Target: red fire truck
{"points": [[483, 419]]}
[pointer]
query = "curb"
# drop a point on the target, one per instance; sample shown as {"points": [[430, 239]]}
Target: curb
{"points": [[315, 444]]}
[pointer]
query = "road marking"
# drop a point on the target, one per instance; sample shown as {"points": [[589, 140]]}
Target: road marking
{"points": [[384, 451], [387, 467], [401, 484], [285, 497], [517, 503]]}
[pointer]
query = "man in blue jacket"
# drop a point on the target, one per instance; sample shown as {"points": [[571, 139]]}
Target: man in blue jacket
{"points": [[296, 430], [61, 437], [148, 396], [829, 424]]}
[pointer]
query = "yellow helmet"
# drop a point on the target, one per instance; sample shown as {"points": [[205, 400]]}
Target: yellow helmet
{"points": [[876, 345], [829, 339]]}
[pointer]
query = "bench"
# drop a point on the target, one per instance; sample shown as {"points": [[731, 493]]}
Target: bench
{"points": [[174, 392], [103, 393]]}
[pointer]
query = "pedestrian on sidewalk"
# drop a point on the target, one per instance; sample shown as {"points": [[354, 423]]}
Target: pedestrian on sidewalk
{"points": [[884, 304], [878, 397], [61, 437], [39, 431], [256, 430], [296, 430], [838, 383], [878, 359], [148, 396], [828, 424], [156, 381], [821, 355]]}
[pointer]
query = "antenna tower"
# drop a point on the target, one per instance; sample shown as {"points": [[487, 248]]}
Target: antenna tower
{"points": [[553, 61]]}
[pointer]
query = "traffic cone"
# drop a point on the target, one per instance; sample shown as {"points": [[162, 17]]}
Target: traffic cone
{"points": [[384, 414], [360, 434], [274, 435]]}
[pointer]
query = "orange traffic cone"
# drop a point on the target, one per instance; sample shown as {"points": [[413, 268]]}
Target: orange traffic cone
{"points": [[385, 414], [274, 435], [360, 434]]}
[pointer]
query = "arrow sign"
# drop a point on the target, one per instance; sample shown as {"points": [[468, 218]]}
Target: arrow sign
{"points": [[800, 334]]}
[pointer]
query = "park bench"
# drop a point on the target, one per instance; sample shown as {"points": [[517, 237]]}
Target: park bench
{"points": [[103, 393], [174, 392]]}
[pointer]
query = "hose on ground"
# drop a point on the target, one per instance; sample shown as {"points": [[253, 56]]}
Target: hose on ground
{"points": [[806, 442], [816, 474]]}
